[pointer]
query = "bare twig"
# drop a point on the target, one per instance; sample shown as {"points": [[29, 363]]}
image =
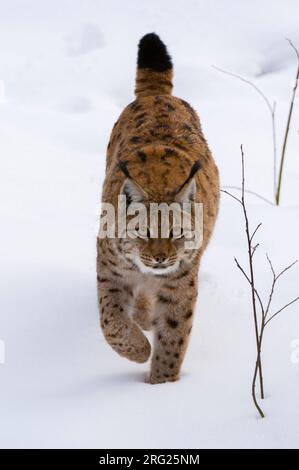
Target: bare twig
{"points": [[294, 47], [255, 230], [281, 309], [254, 193], [254, 248], [273, 123], [247, 278], [265, 313], [262, 320], [287, 268], [272, 111], [256, 369], [274, 280], [286, 135], [245, 80], [253, 289], [254, 293], [231, 195]]}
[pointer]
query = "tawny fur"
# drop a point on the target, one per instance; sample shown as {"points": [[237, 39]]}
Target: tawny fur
{"points": [[159, 138]]}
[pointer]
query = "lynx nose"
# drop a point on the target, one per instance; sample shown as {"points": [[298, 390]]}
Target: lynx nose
{"points": [[160, 258]]}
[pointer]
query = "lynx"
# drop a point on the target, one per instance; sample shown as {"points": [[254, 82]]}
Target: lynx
{"points": [[156, 153]]}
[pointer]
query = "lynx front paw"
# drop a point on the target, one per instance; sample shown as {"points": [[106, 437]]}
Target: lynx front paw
{"points": [[128, 341], [159, 379], [136, 346]]}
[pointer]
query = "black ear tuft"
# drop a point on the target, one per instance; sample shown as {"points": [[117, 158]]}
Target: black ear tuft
{"points": [[123, 166], [194, 169], [152, 54]]}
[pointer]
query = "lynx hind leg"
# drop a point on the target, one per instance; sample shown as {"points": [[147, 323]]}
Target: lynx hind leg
{"points": [[142, 311], [123, 334]]}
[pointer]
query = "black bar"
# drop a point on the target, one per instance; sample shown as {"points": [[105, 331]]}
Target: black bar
{"points": [[137, 458]]}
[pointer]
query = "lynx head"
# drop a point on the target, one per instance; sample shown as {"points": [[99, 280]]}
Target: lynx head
{"points": [[159, 227]]}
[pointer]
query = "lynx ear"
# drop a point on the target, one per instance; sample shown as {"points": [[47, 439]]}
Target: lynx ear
{"points": [[187, 193], [132, 191]]}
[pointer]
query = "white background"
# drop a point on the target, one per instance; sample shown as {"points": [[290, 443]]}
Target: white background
{"points": [[68, 67]]}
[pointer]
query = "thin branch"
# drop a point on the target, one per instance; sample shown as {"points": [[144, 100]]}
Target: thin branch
{"points": [[254, 248], [286, 135], [231, 195], [254, 232], [254, 295], [243, 188], [256, 369], [245, 80], [294, 47], [248, 279], [271, 291], [272, 110], [261, 321], [271, 266], [275, 278], [273, 120], [254, 292], [251, 192], [287, 268], [281, 309]]}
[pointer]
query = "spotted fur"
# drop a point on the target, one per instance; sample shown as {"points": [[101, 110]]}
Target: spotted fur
{"points": [[157, 152]]}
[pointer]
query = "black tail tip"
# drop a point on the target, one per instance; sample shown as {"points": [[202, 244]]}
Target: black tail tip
{"points": [[152, 54]]}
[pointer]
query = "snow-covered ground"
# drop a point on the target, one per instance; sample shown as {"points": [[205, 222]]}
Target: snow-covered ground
{"points": [[68, 69]]}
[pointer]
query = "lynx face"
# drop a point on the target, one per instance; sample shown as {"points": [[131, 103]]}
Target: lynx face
{"points": [[158, 256], [159, 248]]}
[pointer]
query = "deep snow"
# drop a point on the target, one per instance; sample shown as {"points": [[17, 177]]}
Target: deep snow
{"points": [[68, 68]]}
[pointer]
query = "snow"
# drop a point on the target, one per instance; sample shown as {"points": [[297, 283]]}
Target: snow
{"points": [[68, 69]]}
